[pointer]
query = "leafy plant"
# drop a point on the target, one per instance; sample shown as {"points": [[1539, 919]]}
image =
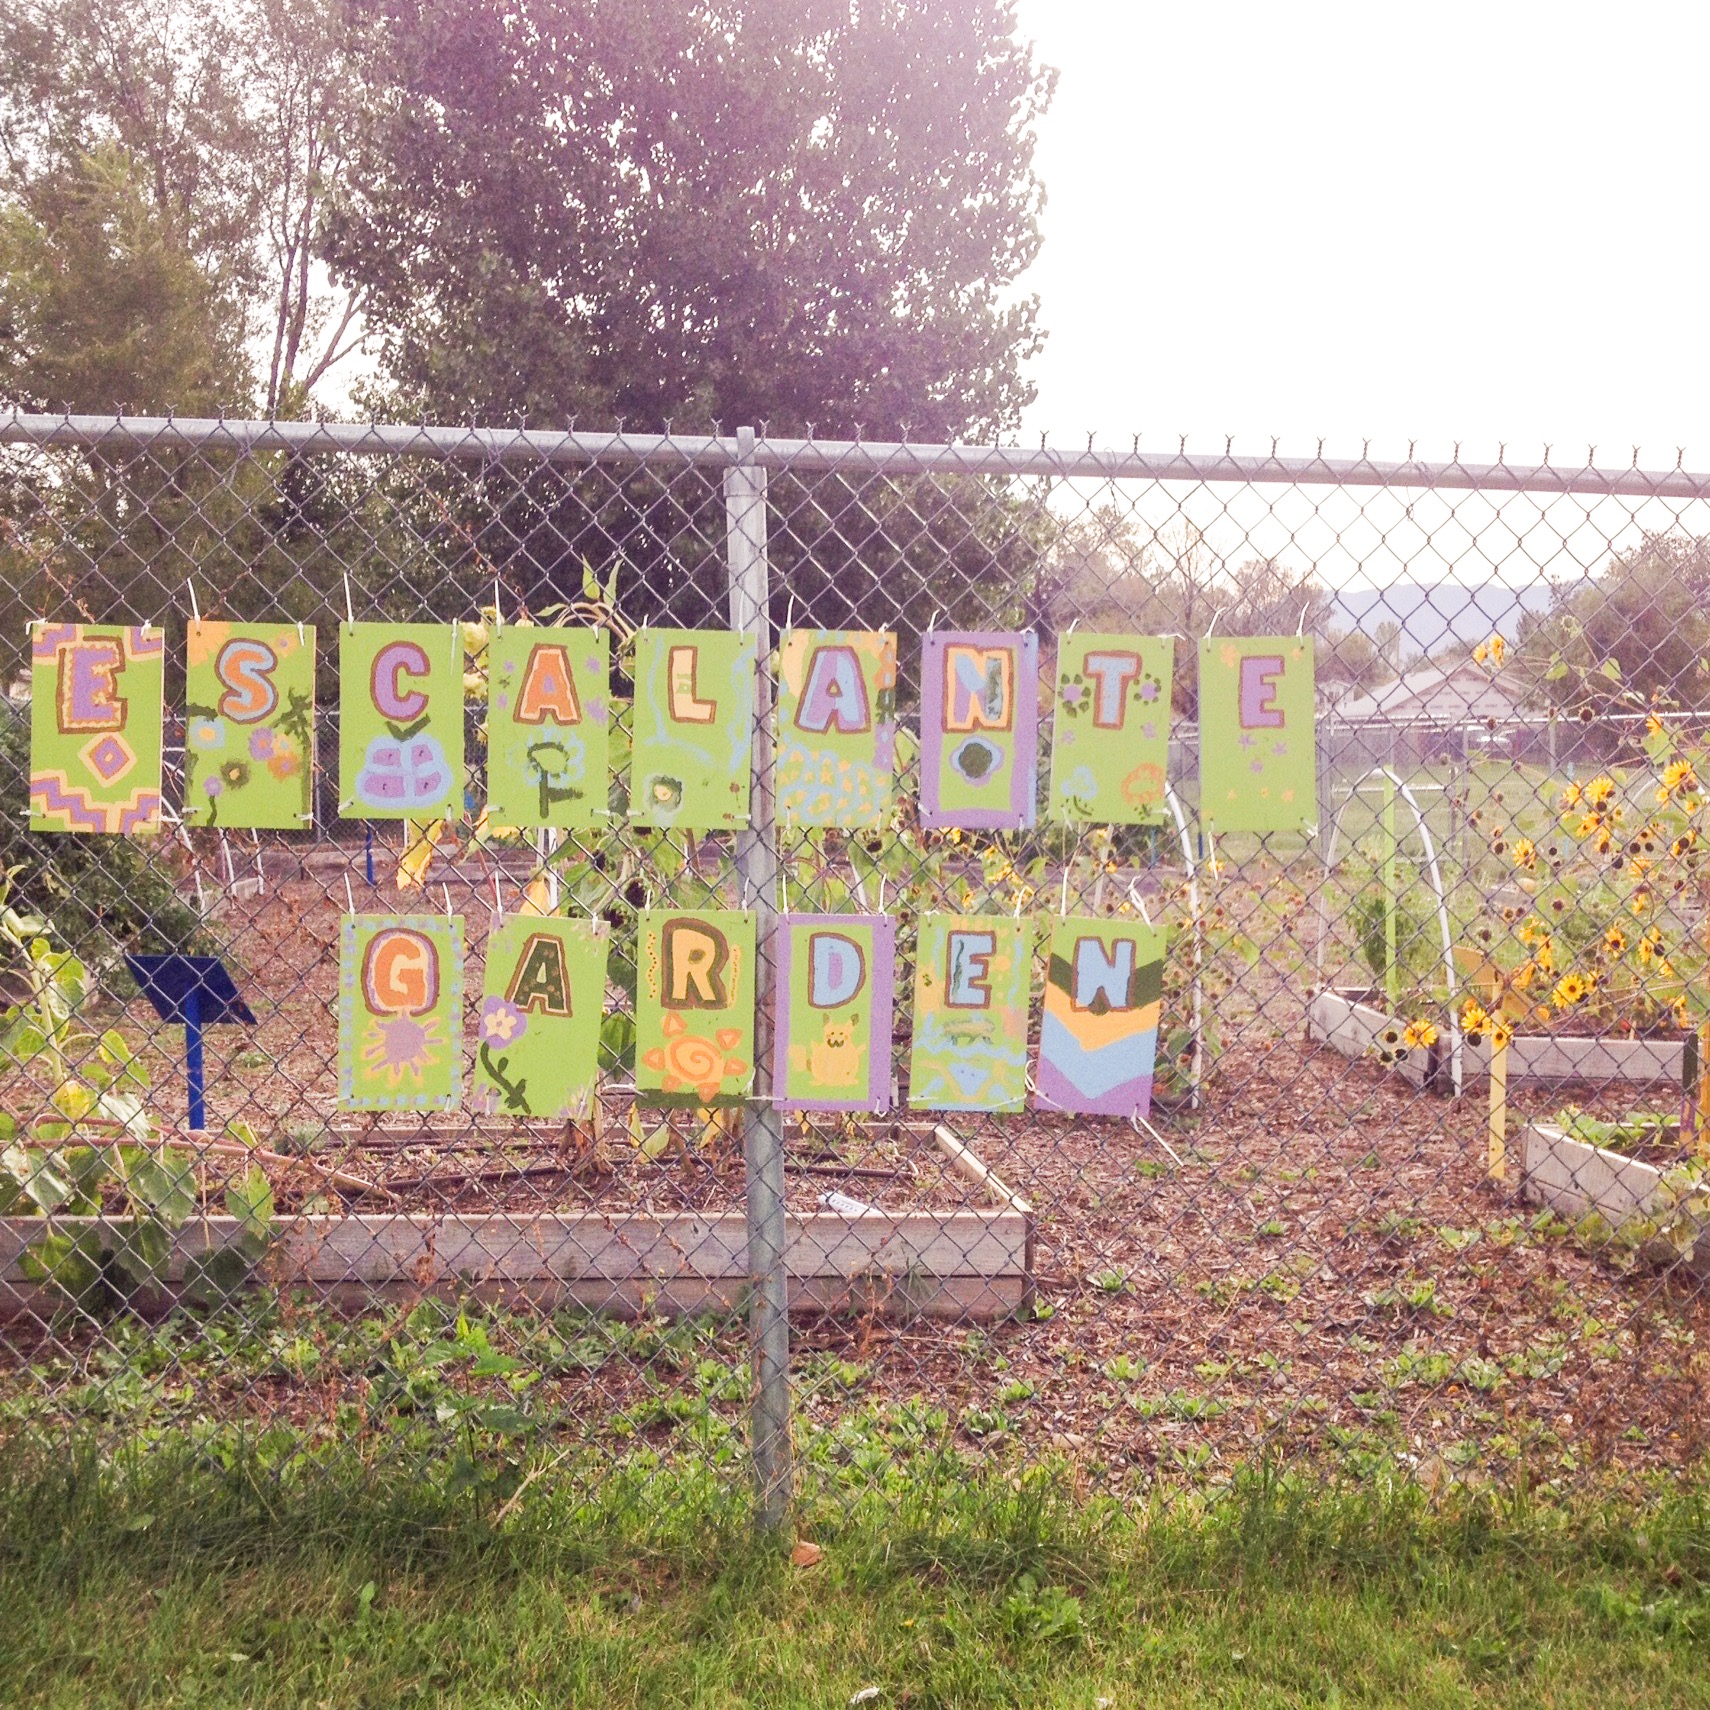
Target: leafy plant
{"points": [[95, 1143]]}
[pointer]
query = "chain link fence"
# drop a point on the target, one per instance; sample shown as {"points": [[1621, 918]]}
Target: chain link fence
{"points": [[1333, 1244]]}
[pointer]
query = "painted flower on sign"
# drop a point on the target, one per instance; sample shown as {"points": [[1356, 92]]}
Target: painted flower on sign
{"points": [[502, 1023]]}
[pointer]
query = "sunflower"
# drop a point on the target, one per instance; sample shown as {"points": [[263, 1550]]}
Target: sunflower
{"points": [[1524, 854], [1419, 1035], [1679, 777], [1573, 989]]}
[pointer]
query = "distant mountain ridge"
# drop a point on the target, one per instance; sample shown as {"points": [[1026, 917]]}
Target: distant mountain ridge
{"points": [[1436, 615]]}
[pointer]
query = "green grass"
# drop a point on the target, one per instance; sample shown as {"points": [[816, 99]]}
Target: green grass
{"points": [[193, 1577]]}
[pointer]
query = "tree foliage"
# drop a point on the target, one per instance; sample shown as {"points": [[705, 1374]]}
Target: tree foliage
{"points": [[791, 211], [1642, 629]]}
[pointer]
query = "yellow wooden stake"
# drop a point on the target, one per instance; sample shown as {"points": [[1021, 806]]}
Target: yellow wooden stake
{"points": [[1701, 1111], [1498, 1162]]}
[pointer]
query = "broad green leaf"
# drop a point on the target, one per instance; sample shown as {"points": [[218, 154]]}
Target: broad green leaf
{"points": [[141, 1249], [38, 1176], [251, 1203], [71, 1263], [164, 1182]]}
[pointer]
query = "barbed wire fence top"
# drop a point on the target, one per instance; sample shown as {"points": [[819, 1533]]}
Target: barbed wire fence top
{"points": [[1421, 1183]]}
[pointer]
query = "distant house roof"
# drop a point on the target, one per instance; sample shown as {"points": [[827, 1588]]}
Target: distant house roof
{"points": [[1437, 694]]}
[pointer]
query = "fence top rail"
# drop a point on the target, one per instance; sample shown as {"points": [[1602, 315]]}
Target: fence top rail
{"points": [[720, 451]]}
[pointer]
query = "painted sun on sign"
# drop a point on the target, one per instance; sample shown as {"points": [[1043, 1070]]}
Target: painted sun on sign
{"points": [[400, 1012], [694, 1009]]}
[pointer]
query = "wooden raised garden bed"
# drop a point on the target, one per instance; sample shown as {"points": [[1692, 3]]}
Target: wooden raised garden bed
{"points": [[1350, 1021], [1576, 1180], [971, 1263]]}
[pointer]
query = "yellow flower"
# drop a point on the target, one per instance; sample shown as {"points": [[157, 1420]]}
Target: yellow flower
{"points": [[1572, 796], [1475, 1019], [1679, 776], [1682, 1016], [1419, 1035], [1614, 941], [1653, 725], [1600, 791], [1525, 853], [1572, 989], [1649, 947], [1545, 955], [1481, 652], [1524, 975], [1501, 1034]]}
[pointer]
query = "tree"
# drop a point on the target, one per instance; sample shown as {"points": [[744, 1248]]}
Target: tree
{"points": [[101, 310], [1642, 627], [791, 211], [236, 113]]}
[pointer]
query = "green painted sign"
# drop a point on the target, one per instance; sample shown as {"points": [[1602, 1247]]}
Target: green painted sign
{"points": [[95, 727], [538, 1037], [400, 1012], [400, 723], [832, 1002], [1258, 759], [1110, 743], [548, 722], [971, 980], [694, 729], [837, 730], [694, 1007], [249, 726]]}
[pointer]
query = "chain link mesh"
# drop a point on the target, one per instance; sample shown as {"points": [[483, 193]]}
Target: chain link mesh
{"points": [[1305, 1254]]}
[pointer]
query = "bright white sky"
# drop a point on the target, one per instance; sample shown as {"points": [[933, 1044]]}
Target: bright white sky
{"points": [[1475, 221]]}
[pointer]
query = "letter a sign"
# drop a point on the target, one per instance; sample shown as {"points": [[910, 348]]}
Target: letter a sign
{"points": [[538, 1040], [694, 1007], [547, 723], [1258, 760]]}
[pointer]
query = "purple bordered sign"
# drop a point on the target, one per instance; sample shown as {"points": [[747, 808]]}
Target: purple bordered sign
{"points": [[979, 719], [832, 1009]]}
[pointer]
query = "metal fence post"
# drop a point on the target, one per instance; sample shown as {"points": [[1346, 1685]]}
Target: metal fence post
{"points": [[762, 1134]]}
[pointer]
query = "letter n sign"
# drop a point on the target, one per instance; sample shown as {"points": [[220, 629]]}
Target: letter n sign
{"points": [[1257, 743]]}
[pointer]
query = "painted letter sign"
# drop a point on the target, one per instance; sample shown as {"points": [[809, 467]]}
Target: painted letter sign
{"points": [[837, 692], [832, 1018], [400, 1012], [970, 1014], [249, 725], [1111, 733], [547, 723], [1257, 747], [694, 729], [538, 1038], [1098, 1041], [95, 727], [400, 734], [694, 1007], [979, 717]]}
